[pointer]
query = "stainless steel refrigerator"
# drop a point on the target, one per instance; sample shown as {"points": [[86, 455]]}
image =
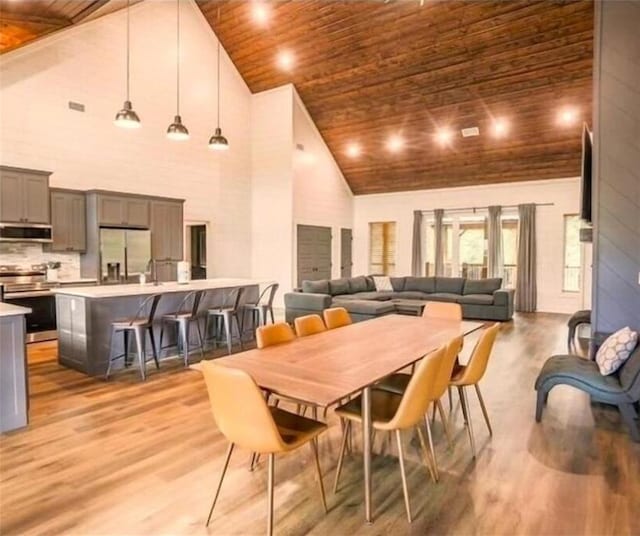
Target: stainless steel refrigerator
{"points": [[124, 254]]}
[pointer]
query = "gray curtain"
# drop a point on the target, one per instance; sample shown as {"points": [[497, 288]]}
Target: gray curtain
{"points": [[438, 215], [416, 245], [495, 263], [526, 288]]}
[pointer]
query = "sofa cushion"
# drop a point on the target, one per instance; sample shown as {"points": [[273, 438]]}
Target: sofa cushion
{"points": [[365, 307], [371, 285], [476, 299], [383, 283], [450, 285], [316, 287], [374, 295], [482, 286], [339, 286], [421, 284], [307, 301], [397, 283], [358, 284], [411, 295], [444, 296]]}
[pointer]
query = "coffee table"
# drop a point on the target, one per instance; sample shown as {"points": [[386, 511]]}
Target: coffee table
{"points": [[409, 307]]}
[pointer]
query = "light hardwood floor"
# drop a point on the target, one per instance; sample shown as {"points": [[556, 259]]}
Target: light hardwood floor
{"points": [[126, 457]]}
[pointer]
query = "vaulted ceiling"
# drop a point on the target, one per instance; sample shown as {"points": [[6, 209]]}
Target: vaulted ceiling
{"points": [[369, 70]]}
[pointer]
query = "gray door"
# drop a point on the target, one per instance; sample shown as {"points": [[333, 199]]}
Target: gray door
{"points": [[314, 253], [345, 253]]}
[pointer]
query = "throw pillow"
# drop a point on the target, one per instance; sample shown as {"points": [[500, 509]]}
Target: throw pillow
{"points": [[616, 350], [382, 283]]}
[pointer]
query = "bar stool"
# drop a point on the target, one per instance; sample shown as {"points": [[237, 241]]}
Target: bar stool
{"points": [[226, 315], [182, 320], [140, 324], [262, 307]]}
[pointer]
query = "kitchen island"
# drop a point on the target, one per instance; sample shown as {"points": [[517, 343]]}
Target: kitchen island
{"points": [[14, 390], [85, 314]]}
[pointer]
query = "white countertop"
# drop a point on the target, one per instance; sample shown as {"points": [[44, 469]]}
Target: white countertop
{"points": [[77, 280], [7, 309], [112, 291]]}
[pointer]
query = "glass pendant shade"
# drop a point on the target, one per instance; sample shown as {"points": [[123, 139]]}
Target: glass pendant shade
{"points": [[127, 117], [177, 131], [218, 142]]}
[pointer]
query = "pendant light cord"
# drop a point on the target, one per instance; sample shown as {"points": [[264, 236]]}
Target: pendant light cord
{"points": [[218, 66], [128, 47], [178, 56]]}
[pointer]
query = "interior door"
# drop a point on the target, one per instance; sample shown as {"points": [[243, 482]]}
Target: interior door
{"points": [[346, 261], [314, 253]]}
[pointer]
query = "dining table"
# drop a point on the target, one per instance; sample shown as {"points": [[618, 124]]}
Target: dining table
{"points": [[323, 369]]}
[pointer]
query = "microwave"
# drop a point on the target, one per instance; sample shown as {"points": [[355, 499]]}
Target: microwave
{"points": [[25, 232]]}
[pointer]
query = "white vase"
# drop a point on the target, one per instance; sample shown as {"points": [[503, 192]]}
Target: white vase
{"points": [[52, 274]]}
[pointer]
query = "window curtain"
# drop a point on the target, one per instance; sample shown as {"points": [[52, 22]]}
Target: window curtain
{"points": [[526, 288], [416, 246], [495, 259], [438, 216]]}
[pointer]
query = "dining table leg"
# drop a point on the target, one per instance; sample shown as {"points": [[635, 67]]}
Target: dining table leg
{"points": [[366, 451]]}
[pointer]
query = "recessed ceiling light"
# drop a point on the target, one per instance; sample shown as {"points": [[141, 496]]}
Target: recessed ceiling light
{"points": [[499, 128], [568, 116], [470, 132], [444, 136], [395, 143], [285, 60], [260, 13], [353, 150]]}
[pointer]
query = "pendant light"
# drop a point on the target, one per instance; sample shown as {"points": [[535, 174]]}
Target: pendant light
{"points": [[218, 142], [127, 117], [177, 131]]}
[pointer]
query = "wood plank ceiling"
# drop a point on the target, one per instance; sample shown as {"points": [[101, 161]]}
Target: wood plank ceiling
{"points": [[368, 70]]}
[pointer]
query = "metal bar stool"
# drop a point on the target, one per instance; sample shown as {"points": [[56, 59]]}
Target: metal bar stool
{"points": [[139, 325], [182, 319], [262, 307], [225, 315]]}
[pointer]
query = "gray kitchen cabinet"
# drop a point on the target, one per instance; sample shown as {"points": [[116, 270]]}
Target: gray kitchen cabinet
{"points": [[123, 211], [68, 220], [167, 237], [24, 195]]}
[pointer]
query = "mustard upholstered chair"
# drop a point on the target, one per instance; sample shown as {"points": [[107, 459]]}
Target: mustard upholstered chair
{"points": [[254, 425], [450, 311], [274, 334], [336, 317], [471, 374], [309, 325], [393, 413]]}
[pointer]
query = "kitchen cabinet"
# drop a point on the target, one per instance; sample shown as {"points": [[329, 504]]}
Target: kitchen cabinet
{"points": [[123, 211], [68, 220], [166, 237], [24, 196]]}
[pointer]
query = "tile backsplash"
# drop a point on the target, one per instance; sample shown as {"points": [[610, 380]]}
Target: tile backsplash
{"points": [[24, 254]]}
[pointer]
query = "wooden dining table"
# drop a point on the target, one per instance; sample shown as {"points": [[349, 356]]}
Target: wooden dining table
{"points": [[327, 367]]}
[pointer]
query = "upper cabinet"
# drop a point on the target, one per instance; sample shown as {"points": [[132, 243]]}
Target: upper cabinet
{"points": [[68, 220], [166, 230], [123, 211], [24, 196]]}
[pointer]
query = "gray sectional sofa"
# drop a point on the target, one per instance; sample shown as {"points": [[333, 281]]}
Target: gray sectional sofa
{"points": [[481, 299]]}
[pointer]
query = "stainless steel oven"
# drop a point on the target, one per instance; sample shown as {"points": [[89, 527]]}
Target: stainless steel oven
{"points": [[29, 288]]}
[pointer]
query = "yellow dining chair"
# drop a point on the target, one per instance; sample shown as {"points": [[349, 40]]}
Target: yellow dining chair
{"points": [[254, 425], [309, 325], [450, 311], [471, 374], [336, 317], [274, 334], [393, 413]]}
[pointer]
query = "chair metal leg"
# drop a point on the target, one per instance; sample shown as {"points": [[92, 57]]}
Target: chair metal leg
{"points": [[445, 422], [484, 409], [467, 418], [154, 349], [224, 470], [111, 351], [273, 320], [270, 484], [314, 449], [235, 316], [183, 329], [432, 450], [343, 447], [200, 339], [428, 459], [450, 396], [142, 358], [226, 319], [405, 488], [125, 335], [161, 336]]}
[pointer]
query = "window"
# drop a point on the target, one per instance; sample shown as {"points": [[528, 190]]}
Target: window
{"points": [[571, 281], [382, 247], [472, 244]]}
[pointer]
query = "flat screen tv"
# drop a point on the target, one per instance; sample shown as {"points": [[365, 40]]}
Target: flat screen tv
{"points": [[587, 178]]}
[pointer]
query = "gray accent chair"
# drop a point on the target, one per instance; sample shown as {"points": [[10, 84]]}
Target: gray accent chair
{"points": [[621, 388]]}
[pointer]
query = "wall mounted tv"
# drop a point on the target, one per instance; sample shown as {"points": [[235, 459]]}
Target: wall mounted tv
{"points": [[587, 176]]}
